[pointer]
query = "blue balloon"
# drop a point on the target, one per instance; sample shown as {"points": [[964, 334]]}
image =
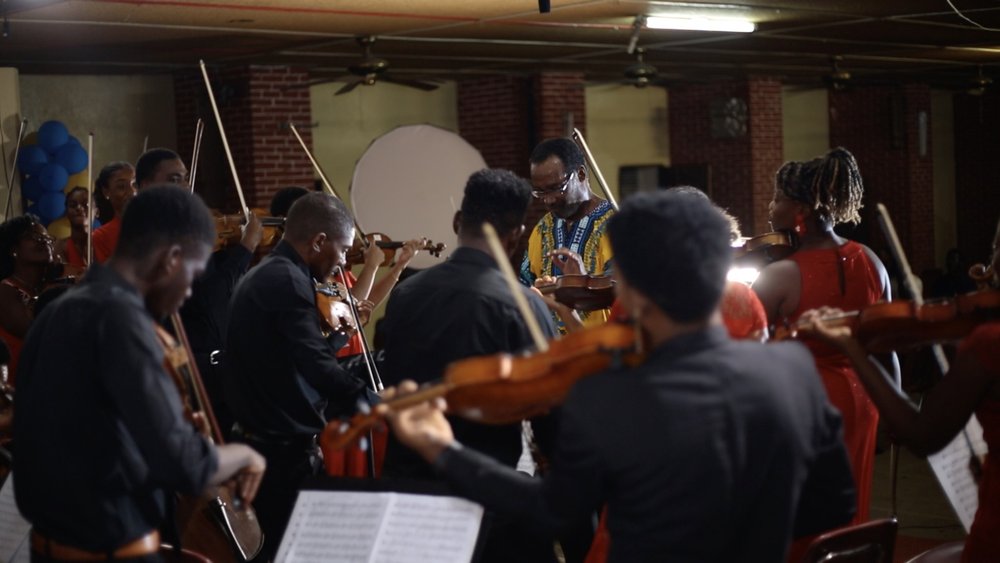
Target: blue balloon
{"points": [[72, 157], [52, 135], [53, 177], [51, 206], [31, 188], [31, 159], [33, 209], [74, 141]]}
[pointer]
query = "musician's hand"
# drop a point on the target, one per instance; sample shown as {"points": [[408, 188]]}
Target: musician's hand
{"points": [[569, 262], [365, 308], [410, 249], [566, 314], [242, 467], [422, 427], [814, 322], [546, 280], [374, 256], [253, 232]]}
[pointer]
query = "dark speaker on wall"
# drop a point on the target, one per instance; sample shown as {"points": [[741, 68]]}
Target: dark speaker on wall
{"points": [[649, 177]]}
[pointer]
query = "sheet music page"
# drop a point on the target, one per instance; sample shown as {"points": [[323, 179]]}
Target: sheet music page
{"points": [[333, 526], [14, 528], [951, 467], [426, 528]]}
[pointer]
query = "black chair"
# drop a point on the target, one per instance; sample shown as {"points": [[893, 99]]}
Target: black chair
{"points": [[871, 542]]}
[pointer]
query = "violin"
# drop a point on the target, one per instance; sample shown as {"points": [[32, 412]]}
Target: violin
{"points": [[983, 275], [223, 528], [764, 249], [229, 228], [356, 254], [504, 388], [903, 325], [583, 292], [334, 306]]}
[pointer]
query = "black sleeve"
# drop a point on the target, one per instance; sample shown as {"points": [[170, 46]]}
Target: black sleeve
{"points": [[225, 269], [572, 488], [149, 403], [828, 496]]}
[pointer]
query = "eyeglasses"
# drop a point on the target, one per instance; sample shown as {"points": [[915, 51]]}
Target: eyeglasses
{"points": [[558, 190]]}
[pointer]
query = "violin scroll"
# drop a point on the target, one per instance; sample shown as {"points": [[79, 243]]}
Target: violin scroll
{"points": [[356, 254], [983, 275]]}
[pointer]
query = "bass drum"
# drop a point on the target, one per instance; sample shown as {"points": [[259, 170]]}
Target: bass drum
{"points": [[409, 184]]}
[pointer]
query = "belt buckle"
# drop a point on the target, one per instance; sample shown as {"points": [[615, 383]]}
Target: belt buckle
{"points": [[215, 357]]}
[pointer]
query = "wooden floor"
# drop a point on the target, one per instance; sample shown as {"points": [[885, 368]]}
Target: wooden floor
{"points": [[925, 517]]}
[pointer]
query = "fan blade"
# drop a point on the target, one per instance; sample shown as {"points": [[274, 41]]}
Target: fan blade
{"points": [[418, 84], [348, 87]]}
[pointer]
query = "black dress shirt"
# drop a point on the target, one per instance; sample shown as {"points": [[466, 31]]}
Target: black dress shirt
{"points": [[281, 372], [101, 436], [711, 451], [458, 309]]}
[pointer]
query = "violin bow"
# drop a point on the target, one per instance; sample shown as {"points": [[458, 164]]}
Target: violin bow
{"points": [[358, 231], [578, 137], [225, 142], [93, 198], [373, 375], [13, 167], [916, 294], [503, 261], [199, 130]]}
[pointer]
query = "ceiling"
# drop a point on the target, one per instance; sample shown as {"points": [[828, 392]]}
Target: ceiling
{"points": [[878, 40]]}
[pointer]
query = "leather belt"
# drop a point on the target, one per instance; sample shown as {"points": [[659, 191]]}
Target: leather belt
{"points": [[146, 545]]}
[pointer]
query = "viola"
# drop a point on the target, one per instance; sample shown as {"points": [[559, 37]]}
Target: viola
{"points": [[334, 306], [356, 254], [229, 228], [764, 249], [903, 325], [582, 292], [223, 528], [505, 388]]}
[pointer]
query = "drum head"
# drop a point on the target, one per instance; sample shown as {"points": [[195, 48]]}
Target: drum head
{"points": [[409, 183]]}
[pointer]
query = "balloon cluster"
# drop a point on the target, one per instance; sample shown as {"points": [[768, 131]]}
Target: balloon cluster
{"points": [[49, 164]]}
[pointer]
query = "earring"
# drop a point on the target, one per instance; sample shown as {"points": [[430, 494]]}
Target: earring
{"points": [[14, 254], [800, 225]]}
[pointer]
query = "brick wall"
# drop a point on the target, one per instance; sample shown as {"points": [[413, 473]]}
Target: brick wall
{"points": [[880, 126], [977, 197], [741, 169], [254, 102], [504, 117]]}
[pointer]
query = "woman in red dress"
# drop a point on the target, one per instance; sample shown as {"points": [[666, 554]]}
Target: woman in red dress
{"points": [[26, 253], [971, 386], [115, 183], [827, 270], [72, 251]]}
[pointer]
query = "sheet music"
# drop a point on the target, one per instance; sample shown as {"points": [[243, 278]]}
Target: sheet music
{"points": [[14, 528], [951, 467], [345, 526], [425, 528]]}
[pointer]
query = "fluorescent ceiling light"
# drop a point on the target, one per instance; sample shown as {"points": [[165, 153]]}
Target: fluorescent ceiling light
{"points": [[700, 24]]}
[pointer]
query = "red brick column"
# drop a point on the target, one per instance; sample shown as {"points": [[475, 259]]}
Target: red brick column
{"points": [[880, 126], [977, 187], [255, 103], [741, 168]]}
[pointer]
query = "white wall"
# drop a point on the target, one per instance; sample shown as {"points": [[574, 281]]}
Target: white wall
{"points": [[805, 123], [626, 126], [345, 125], [120, 110]]}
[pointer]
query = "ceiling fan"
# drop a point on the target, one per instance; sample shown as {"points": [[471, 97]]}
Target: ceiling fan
{"points": [[979, 83], [838, 78], [640, 73], [371, 69]]}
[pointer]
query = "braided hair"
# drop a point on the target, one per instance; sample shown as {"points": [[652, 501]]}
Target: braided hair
{"points": [[831, 185], [11, 231]]}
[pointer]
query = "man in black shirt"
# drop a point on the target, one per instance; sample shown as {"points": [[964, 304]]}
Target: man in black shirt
{"points": [[101, 436], [712, 450], [464, 308], [282, 374]]}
